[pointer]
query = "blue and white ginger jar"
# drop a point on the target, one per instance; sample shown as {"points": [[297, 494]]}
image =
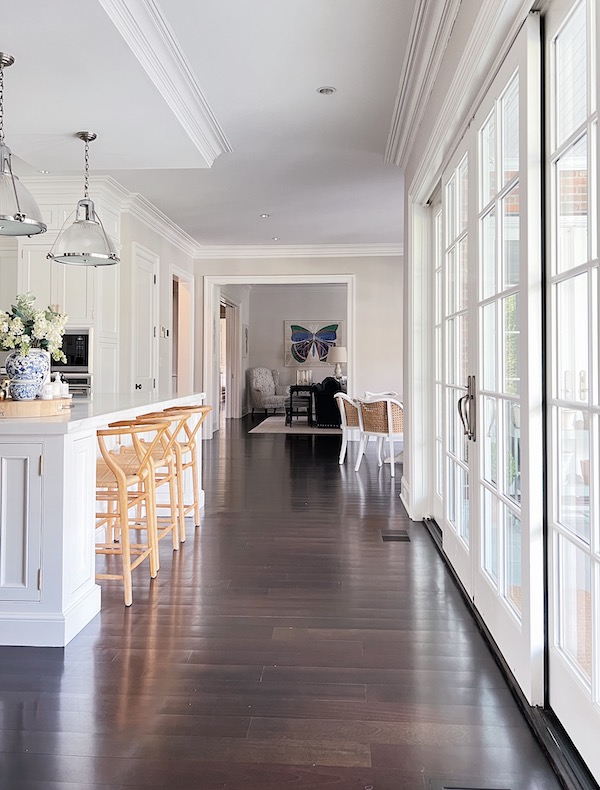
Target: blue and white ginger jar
{"points": [[27, 373]]}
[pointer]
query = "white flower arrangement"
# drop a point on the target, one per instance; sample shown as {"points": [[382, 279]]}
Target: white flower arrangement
{"points": [[24, 328]]}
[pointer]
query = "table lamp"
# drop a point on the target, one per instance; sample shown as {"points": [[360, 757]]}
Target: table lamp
{"points": [[336, 356]]}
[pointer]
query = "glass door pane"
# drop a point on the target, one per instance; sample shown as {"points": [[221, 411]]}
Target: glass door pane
{"points": [[573, 385]]}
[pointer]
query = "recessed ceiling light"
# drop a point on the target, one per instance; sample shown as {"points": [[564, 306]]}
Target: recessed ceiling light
{"points": [[326, 90], [44, 172], [275, 238], [265, 216]]}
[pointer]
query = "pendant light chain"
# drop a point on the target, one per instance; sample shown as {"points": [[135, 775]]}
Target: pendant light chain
{"points": [[87, 170], [1, 105]]}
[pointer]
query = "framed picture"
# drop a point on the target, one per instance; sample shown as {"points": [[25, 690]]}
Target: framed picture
{"points": [[245, 340], [306, 343]]}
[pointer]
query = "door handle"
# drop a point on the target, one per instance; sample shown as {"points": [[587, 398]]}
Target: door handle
{"points": [[138, 386], [467, 410], [463, 414], [471, 410]]}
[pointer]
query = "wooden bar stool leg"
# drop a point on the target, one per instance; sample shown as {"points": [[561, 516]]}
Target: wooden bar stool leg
{"points": [[152, 525], [174, 508], [125, 547], [196, 490], [180, 497]]}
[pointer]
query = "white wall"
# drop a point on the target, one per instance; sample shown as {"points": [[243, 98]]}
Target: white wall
{"points": [[378, 308], [272, 305]]}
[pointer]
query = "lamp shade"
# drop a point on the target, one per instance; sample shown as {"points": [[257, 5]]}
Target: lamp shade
{"points": [[337, 354], [85, 242], [19, 213]]}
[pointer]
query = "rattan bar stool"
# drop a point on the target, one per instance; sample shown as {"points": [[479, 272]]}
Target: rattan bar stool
{"points": [[164, 473], [187, 447], [124, 482]]}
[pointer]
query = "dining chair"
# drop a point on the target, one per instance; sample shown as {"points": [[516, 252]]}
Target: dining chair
{"points": [[375, 395], [383, 419], [350, 420]]}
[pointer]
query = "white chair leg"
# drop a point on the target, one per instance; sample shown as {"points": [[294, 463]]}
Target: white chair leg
{"points": [[392, 458], [361, 452], [379, 451], [344, 446]]}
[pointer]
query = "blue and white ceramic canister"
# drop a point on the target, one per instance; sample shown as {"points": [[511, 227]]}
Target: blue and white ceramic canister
{"points": [[31, 368], [23, 389]]}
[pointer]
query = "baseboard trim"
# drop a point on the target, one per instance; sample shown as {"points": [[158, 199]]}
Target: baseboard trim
{"points": [[564, 758]]}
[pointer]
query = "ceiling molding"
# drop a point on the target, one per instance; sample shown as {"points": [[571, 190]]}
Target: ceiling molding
{"points": [[153, 218], [460, 106], [108, 191], [430, 31], [151, 39], [299, 251]]}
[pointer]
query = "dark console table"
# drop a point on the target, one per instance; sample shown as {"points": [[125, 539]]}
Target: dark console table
{"points": [[299, 403]]}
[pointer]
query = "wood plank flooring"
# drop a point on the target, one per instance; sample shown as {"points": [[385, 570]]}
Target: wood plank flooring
{"points": [[284, 646]]}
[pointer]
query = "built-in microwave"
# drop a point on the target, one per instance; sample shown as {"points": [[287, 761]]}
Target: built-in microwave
{"points": [[76, 348]]}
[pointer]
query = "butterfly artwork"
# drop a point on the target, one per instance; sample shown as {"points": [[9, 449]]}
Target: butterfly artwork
{"points": [[308, 342]]}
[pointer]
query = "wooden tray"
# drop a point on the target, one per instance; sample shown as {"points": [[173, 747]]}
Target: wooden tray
{"points": [[34, 408]]}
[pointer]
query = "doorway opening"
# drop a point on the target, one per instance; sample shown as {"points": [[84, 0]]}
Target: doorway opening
{"points": [[213, 286], [182, 360]]}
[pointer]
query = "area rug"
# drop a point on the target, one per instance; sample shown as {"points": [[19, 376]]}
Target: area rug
{"points": [[277, 424]]}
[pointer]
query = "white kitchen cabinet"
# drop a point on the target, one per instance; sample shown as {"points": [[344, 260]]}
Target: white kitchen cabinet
{"points": [[71, 287], [73, 290], [20, 521]]}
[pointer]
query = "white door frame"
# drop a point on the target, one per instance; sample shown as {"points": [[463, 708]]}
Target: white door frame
{"points": [[190, 280], [212, 298], [140, 252], [233, 355]]}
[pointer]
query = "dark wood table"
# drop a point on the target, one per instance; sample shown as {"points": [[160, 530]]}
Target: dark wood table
{"points": [[299, 403]]}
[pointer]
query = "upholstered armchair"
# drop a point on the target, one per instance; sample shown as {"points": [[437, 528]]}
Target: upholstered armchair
{"points": [[265, 391]]}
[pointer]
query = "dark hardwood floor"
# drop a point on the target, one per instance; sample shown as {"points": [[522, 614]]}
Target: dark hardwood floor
{"points": [[286, 645]]}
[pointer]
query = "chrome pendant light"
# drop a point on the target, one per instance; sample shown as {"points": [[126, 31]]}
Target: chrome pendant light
{"points": [[19, 213], [85, 242]]}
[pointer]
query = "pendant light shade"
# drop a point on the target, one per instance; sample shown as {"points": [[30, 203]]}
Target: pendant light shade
{"points": [[19, 213], [85, 242]]}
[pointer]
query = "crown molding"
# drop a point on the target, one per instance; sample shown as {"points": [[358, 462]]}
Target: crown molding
{"points": [[460, 106], [56, 189], [430, 31], [299, 251], [153, 218], [151, 39], [109, 192]]}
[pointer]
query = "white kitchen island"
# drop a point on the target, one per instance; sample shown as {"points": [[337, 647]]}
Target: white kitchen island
{"points": [[48, 591]]}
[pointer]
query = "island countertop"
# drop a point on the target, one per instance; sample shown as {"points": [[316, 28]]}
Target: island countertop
{"points": [[48, 591], [95, 412]]}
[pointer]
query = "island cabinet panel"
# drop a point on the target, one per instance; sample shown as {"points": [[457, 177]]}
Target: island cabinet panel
{"points": [[79, 494], [20, 521]]}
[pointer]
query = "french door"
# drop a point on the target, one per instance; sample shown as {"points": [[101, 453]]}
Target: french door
{"points": [[573, 391], [488, 295]]}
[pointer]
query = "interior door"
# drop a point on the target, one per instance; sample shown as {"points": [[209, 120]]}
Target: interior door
{"points": [[573, 299], [489, 368], [144, 320]]}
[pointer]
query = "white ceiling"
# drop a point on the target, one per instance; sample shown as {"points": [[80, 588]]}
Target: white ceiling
{"points": [[169, 86]]}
